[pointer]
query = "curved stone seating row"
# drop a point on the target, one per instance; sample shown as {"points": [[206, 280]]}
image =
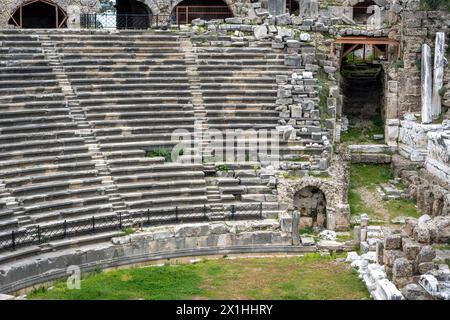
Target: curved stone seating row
{"points": [[133, 90], [45, 165]]}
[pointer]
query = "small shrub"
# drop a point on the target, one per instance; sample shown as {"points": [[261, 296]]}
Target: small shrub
{"points": [[162, 152], [399, 64], [306, 231], [223, 168], [442, 91], [128, 231], [418, 64], [429, 5]]}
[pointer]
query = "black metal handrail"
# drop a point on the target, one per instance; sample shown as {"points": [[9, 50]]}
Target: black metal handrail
{"points": [[38, 234], [122, 21]]}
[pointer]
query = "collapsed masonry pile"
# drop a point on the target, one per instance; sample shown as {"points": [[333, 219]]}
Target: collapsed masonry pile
{"points": [[431, 192], [407, 257], [374, 276], [411, 259], [370, 270]]}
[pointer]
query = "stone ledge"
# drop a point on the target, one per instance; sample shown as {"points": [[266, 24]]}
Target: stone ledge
{"points": [[55, 274]]}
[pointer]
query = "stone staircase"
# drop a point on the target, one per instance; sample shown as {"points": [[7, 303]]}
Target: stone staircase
{"points": [[88, 117], [45, 164]]}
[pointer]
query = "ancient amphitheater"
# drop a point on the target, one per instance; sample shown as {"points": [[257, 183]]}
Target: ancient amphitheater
{"points": [[158, 129]]}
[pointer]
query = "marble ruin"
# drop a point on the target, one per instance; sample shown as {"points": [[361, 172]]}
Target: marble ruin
{"points": [[220, 132]]}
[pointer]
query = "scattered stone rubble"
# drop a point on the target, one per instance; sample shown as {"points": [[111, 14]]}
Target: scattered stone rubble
{"points": [[401, 264], [392, 190]]}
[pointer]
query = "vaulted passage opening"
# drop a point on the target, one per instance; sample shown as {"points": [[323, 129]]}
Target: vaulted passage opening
{"points": [[362, 11], [132, 14], [38, 14], [311, 204], [363, 90], [362, 85], [188, 10]]}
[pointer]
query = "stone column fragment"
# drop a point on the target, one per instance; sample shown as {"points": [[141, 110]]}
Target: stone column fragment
{"points": [[438, 74], [426, 84]]}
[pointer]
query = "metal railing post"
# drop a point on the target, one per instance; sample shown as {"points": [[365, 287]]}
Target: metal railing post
{"points": [[260, 210], [176, 214], [233, 211], [39, 233], [204, 211], [120, 220], [65, 229], [13, 240], [93, 224]]}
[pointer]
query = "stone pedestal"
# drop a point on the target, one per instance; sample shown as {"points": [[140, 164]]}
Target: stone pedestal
{"points": [[438, 74], [73, 17], [295, 224], [277, 7], [426, 84]]}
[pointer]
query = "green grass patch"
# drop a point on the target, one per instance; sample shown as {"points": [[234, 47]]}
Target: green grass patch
{"points": [[309, 277], [223, 168], [441, 246], [357, 205], [364, 179], [306, 231], [429, 5], [403, 207], [363, 135], [162, 152], [370, 175]]}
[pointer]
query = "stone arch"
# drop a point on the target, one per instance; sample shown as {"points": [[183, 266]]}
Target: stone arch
{"points": [[38, 14], [231, 10], [151, 4], [335, 194], [133, 14]]}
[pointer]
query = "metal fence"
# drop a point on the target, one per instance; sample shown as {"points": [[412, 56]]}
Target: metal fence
{"points": [[38, 234], [185, 14], [122, 21]]}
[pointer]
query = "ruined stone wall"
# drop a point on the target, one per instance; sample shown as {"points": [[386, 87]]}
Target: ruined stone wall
{"points": [[411, 261], [414, 28], [155, 243], [431, 192], [334, 187], [438, 157]]}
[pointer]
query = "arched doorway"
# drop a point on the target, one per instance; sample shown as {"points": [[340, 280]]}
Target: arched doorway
{"points": [[132, 14], [311, 203], [363, 85], [188, 10], [293, 7], [39, 14]]}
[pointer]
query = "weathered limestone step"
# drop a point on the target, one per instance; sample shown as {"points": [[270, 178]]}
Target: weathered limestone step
{"points": [[197, 94]]}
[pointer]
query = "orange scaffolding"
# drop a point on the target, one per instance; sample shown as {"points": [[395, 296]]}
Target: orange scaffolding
{"points": [[351, 44], [185, 14]]}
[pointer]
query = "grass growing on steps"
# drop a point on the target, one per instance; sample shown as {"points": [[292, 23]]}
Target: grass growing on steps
{"points": [[363, 196], [403, 207], [362, 131], [369, 176], [309, 277]]}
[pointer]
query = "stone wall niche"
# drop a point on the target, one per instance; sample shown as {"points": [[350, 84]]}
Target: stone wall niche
{"points": [[321, 202], [311, 204]]}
